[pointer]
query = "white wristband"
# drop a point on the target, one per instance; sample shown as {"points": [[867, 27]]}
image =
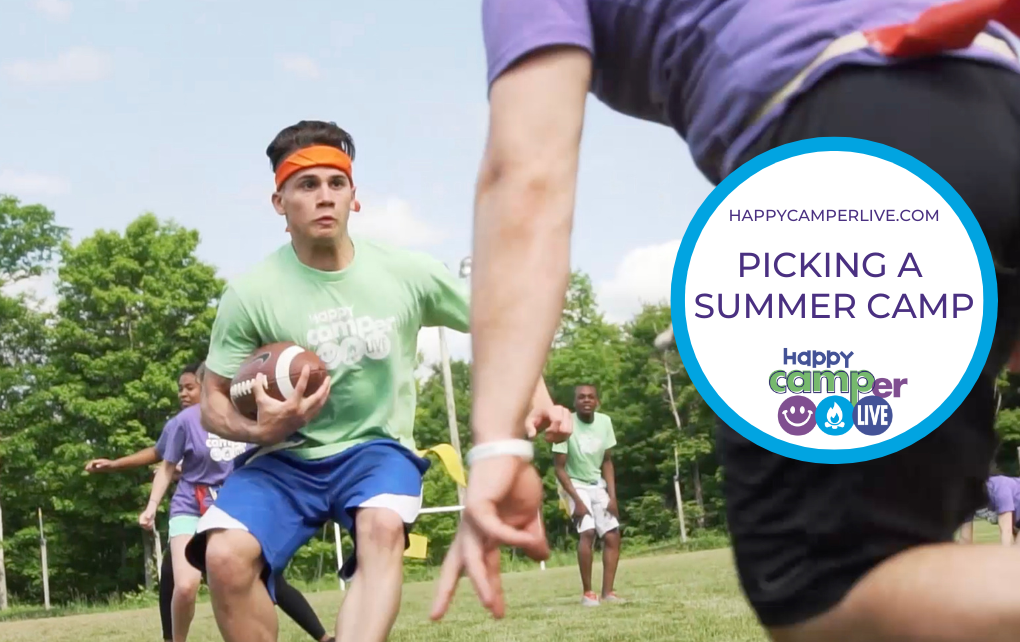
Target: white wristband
{"points": [[513, 447]]}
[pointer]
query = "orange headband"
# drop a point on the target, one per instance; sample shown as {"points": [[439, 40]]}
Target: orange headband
{"points": [[316, 156]]}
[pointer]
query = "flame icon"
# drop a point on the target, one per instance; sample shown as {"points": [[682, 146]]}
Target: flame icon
{"points": [[834, 418]]}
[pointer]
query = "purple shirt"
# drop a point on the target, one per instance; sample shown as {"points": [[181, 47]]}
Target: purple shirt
{"points": [[205, 460], [702, 67], [1004, 496]]}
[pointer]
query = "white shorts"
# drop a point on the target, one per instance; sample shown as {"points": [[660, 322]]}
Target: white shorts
{"points": [[596, 500]]}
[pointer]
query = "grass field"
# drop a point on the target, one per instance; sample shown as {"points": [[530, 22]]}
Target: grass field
{"points": [[692, 597]]}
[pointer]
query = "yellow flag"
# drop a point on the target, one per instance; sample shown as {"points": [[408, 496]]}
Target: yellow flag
{"points": [[418, 548], [451, 462]]}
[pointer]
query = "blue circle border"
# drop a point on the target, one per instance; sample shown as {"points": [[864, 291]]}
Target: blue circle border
{"points": [[678, 289]]}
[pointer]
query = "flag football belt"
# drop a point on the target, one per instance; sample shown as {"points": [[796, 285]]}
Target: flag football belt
{"points": [[955, 25]]}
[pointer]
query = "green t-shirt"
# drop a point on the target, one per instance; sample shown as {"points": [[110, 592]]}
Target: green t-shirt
{"points": [[586, 448], [362, 321]]}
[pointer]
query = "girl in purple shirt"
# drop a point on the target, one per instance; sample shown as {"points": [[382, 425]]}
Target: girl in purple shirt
{"points": [[1003, 509], [175, 446], [205, 461]]}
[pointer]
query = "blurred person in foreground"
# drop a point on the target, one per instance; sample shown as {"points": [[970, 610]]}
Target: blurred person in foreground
{"points": [[824, 552]]}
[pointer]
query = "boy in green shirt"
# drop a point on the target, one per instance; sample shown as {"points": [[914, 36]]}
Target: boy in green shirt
{"points": [[345, 452], [584, 469]]}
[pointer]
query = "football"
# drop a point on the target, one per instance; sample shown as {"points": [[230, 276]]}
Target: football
{"points": [[281, 363]]}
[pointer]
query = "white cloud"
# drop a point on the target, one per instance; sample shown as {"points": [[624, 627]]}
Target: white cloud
{"points": [[393, 221], [76, 65], [41, 291], [299, 65], [458, 343], [643, 276], [56, 9], [26, 184]]}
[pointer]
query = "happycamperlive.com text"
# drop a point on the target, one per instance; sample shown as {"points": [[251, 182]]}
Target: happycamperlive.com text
{"points": [[828, 215]]}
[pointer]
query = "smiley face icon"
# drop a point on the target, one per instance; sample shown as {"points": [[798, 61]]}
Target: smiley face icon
{"points": [[797, 416]]}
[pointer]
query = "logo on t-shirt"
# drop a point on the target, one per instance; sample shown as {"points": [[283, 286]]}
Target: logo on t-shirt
{"points": [[341, 338], [221, 449]]}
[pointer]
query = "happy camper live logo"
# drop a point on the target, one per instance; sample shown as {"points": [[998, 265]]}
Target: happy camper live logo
{"points": [[811, 395], [853, 336]]}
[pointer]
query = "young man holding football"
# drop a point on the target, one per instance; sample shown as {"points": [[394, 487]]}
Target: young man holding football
{"points": [[824, 552], [346, 451]]}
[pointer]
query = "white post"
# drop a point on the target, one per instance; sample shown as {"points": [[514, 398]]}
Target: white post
{"points": [[147, 561], [45, 569], [541, 564], [451, 409], [679, 499], [159, 554], [3, 569], [339, 555]]}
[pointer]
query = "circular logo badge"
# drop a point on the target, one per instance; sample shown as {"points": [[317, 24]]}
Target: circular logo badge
{"points": [[797, 415], [832, 271], [873, 416], [835, 416]]}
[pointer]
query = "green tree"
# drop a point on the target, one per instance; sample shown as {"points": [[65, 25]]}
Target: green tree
{"points": [[586, 347], [29, 239], [134, 309], [1007, 422], [659, 416]]}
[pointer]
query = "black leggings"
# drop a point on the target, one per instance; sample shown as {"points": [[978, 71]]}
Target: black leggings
{"points": [[290, 600]]}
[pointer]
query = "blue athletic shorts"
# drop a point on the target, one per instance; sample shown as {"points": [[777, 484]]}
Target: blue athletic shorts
{"points": [[284, 500]]}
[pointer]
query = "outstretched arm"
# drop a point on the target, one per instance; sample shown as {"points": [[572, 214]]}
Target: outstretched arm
{"points": [[541, 398], [144, 457], [546, 417], [540, 70], [524, 209]]}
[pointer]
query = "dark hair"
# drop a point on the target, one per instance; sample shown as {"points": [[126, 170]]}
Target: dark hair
{"points": [[191, 368], [305, 134], [586, 385]]}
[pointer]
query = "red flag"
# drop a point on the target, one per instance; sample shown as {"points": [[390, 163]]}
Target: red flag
{"points": [[953, 25]]}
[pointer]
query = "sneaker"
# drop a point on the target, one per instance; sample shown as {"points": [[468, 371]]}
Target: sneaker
{"points": [[614, 598], [590, 599]]}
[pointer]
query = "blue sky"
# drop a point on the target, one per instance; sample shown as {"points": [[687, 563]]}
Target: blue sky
{"points": [[109, 108]]}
